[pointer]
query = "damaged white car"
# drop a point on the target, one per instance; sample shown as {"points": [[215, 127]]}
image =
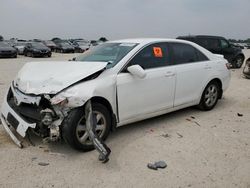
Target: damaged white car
{"points": [[126, 81]]}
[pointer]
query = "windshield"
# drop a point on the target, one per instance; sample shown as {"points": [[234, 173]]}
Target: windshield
{"points": [[38, 45], [107, 52]]}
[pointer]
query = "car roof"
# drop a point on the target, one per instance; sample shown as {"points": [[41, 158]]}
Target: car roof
{"points": [[146, 40], [201, 36]]}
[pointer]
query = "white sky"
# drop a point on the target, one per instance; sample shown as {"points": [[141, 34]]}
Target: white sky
{"points": [[116, 19]]}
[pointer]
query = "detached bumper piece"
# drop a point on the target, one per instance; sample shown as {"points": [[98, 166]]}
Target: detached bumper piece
{"points": [[11, 119], [12, 136]]}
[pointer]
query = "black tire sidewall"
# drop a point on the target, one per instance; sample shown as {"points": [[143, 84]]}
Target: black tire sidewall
{"points": [[236, 59], [203, 105], [71, 122]]}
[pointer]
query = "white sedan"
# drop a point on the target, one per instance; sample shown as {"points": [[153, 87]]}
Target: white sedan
{"points": [[126, 81]]}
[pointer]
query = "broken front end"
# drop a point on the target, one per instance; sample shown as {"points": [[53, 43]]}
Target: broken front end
{"points": [[35, 112]]}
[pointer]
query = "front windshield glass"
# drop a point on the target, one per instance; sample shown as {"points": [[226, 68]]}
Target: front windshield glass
{"points": [[107, 52]]}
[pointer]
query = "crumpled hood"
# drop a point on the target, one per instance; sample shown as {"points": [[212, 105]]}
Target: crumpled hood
{"points": [[52, 77]]}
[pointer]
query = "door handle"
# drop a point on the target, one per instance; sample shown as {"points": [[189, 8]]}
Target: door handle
{"points": [[169, 74]]}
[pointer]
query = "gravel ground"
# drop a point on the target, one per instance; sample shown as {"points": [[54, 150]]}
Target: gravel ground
{"points": [[202, 149]]}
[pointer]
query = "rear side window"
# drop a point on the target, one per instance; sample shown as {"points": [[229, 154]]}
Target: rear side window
{"points": [[185, 53], [152, 56]]}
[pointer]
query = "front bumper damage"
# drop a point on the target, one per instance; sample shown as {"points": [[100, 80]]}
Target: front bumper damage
{"points": [[14, 120], [10, 119]]}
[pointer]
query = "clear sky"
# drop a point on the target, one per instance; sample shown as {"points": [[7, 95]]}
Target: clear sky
{"points": [[116, 19]]}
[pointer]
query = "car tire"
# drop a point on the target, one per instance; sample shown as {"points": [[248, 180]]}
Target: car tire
{"points": [[210, 96], [74, 129], [238, 62]]}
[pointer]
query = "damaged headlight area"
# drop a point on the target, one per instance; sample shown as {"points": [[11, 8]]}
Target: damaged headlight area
{"points": [[59, 100], [38, 110]]}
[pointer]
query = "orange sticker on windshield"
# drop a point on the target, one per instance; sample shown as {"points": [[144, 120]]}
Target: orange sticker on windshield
{"points": [[157, 52]]}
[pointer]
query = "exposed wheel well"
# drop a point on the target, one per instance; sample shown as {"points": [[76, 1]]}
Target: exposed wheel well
{"points": [[106, 103], [240, 55], [218, 81]]}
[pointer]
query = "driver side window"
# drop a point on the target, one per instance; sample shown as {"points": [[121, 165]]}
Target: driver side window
{"points": [[152, 56]]}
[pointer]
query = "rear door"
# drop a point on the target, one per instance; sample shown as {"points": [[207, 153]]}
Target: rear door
{"points": [[192, 72], [142, 96]]}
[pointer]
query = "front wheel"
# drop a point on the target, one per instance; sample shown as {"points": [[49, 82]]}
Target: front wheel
{"points": [[210, 96], [74, 127]]}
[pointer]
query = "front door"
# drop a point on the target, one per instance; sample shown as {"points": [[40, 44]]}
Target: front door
{"points": [[142, 96]]}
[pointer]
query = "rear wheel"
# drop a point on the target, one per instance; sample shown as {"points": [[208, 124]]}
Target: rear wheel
{"points": [[74, 127], [238, 61], [210, 96]]}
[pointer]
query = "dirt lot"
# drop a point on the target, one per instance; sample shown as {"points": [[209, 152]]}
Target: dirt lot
{"points": [[212, 149]]}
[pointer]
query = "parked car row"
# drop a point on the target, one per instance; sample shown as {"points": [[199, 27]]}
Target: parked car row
{"points": [[44, 48]]}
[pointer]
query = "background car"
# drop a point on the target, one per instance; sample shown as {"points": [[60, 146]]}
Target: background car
{"points": [[246, 69], [50, 44], [7, 50], [218, 45], [81, 45], [19, 45], [36, 49], [63, 46]]}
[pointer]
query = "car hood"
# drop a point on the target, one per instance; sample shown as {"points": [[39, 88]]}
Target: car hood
{"points": [[52, 77]]}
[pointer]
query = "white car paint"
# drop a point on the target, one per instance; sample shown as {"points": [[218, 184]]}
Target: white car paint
{"points": [[50, 77], [162, 90]]}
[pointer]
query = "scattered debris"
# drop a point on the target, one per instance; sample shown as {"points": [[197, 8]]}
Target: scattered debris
{"points": [[197, 123], [193, 121], [180, 136], [33, 158], [43, 164], [165, 135], [240, 115], [152, 166], [57, 154], [156, 165]]}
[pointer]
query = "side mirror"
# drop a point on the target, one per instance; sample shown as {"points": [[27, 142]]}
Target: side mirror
{"points": [[137, 70]]}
